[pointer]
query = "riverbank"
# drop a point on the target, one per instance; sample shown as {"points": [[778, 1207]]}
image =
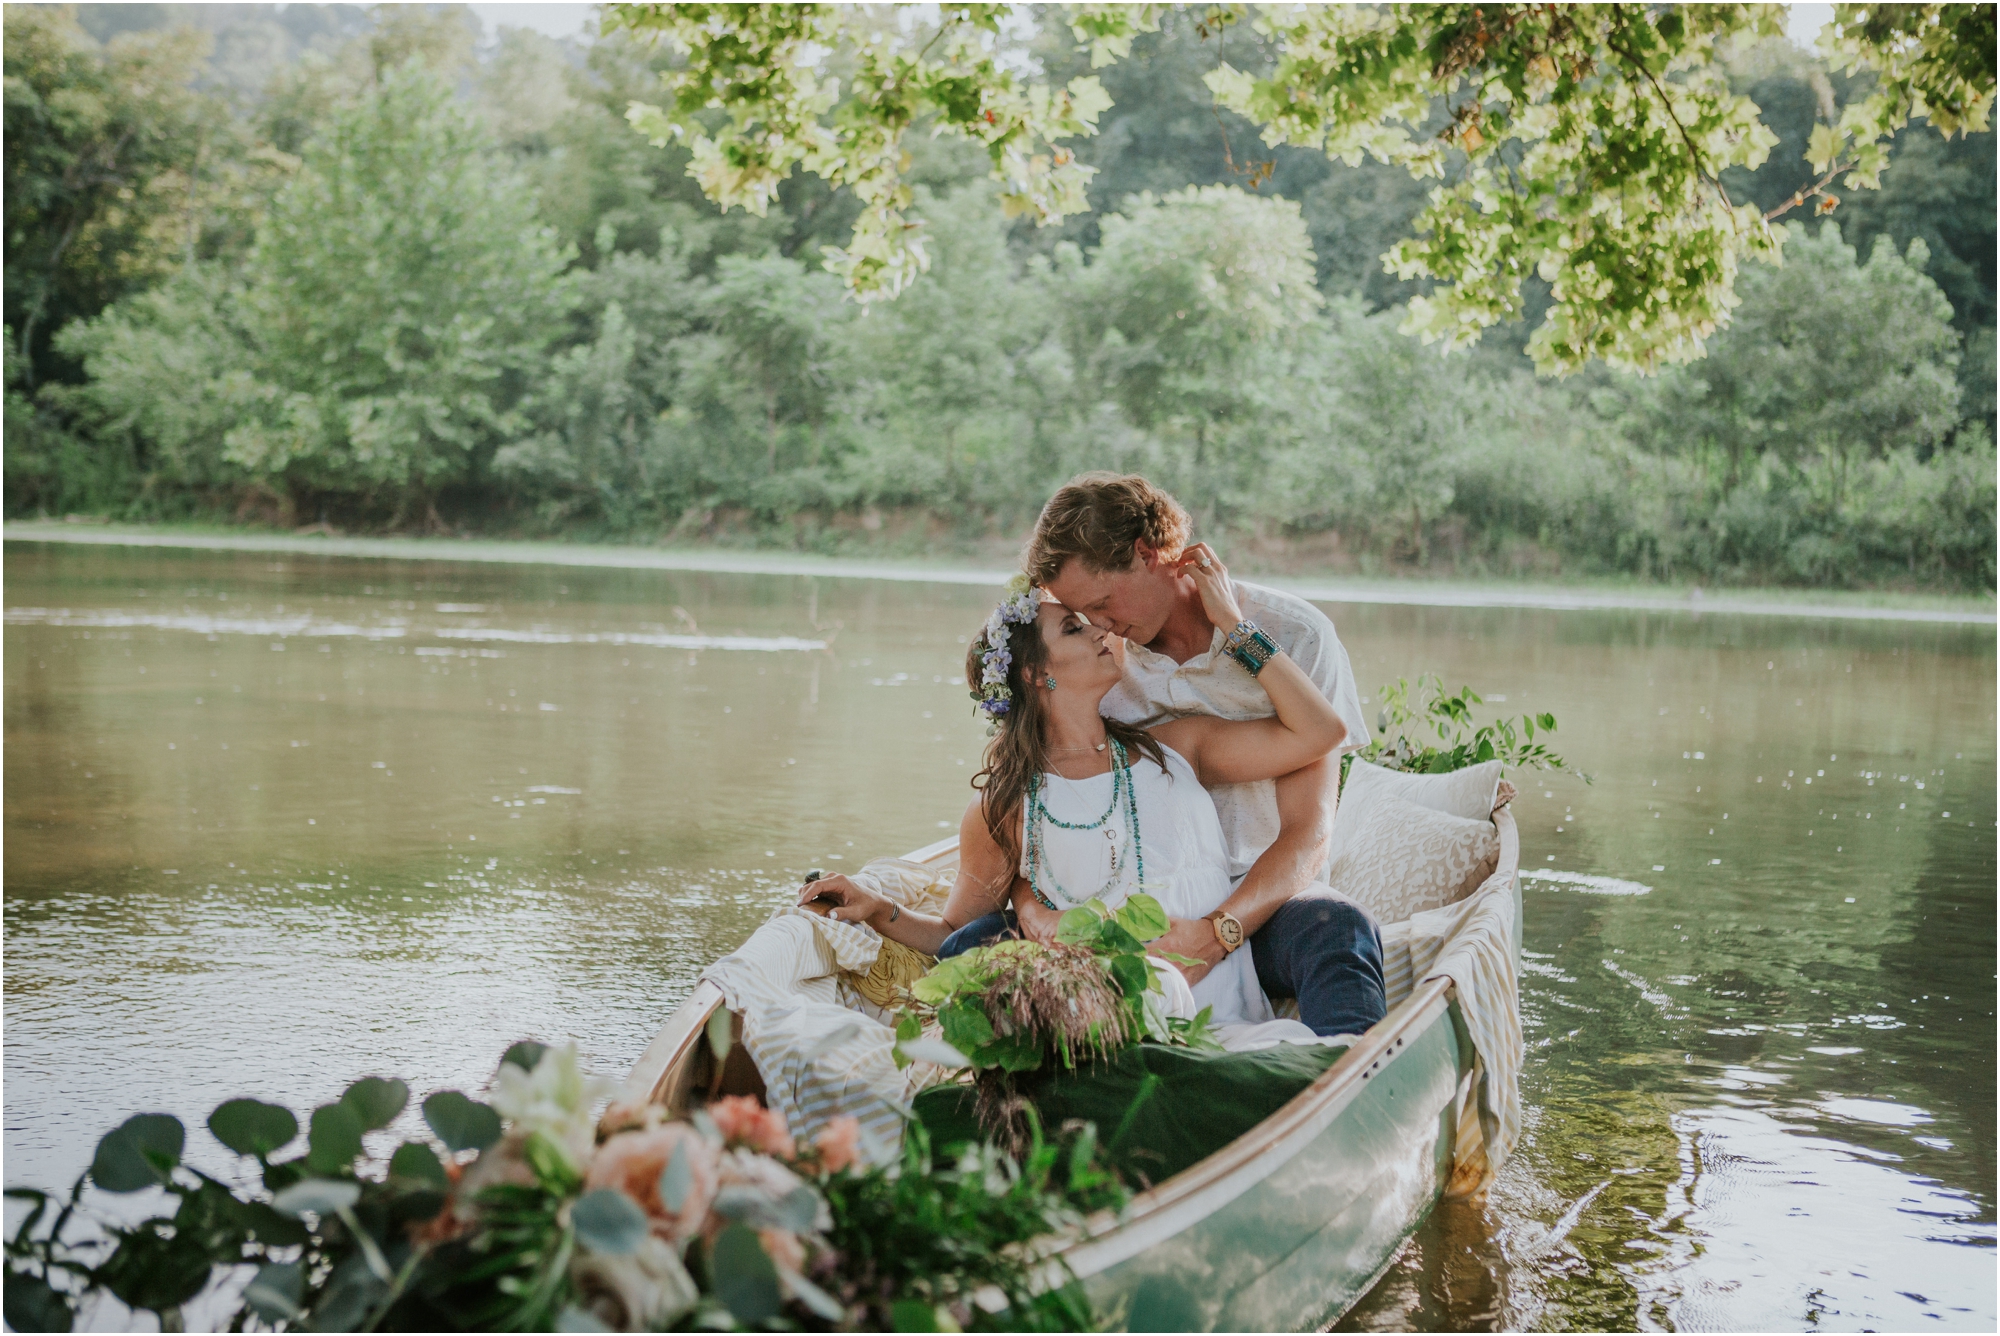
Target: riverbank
{"points": [[1583, 596]]}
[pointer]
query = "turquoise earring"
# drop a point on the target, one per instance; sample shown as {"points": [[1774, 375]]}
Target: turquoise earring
{"points": [[1052, 682]]}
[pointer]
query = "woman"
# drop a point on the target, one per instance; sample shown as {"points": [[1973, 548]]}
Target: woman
{"points": [[1073, 806]]}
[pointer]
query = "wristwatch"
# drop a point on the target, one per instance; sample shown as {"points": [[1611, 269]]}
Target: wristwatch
{"points": [[1227, 930]]}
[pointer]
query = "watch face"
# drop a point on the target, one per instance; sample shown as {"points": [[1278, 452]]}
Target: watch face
{"points": [[1230, 931]]}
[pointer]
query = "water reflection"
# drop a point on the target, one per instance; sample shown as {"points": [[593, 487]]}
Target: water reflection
{"points": [[274, 824]]}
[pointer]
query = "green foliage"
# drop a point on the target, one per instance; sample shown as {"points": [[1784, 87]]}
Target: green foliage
{"points": [[1426, 709], [398, 296], [141, 1152], [1930, 60], [252, 1127], [1586, 143], [461, 1123], [103, 147], [757, 65], [916, 1239], [1791, 384]]}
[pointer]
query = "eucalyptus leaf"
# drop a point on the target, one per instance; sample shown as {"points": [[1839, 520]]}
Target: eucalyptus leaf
{"points": [[746, 1280], [32, 1304], [252, 1127], [275, 1291], [376, 1101], [416, 1161], [460, 1122], [746, 1205], [334, 1141], [141, 1152], [320, 1196], [525, 1054], [352, 1290], [609, 1223], [677, 1179], [153, 1268]]}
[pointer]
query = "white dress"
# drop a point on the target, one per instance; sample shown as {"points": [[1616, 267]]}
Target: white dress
{"points": [[1187, 865]]}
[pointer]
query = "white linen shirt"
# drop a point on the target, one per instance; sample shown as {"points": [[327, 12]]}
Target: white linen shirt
{"points": [[1156, 689]]}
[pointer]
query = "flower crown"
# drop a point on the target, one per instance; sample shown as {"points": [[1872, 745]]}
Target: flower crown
{"points": [[995, 697]]}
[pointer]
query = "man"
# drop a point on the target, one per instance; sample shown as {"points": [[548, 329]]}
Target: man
{"points": [[1108, 547]]}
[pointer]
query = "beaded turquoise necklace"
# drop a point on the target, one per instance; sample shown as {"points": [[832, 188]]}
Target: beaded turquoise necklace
{"points": [[1122, 793]]}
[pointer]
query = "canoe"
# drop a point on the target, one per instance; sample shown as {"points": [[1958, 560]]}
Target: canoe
{"points": [[1283, 1229]]}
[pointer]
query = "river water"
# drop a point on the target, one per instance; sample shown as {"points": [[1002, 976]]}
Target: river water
{"points": [[273, 823]]}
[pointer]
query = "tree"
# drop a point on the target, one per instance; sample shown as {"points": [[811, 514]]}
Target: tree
{"points": [[754, 390], [1583, 143], [1181, 300], [399, 297], [102, 147], [1830, 362], [958, 388]]}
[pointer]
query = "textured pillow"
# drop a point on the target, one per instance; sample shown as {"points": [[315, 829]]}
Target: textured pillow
{"points": [[1402, 859], [1470, 793]]}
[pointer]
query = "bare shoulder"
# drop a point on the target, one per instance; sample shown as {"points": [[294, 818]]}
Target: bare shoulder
{"points": [[972, 831]]}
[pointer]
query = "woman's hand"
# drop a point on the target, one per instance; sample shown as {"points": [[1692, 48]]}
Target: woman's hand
{"points": [[841, 900], [1211, 578], [1037, 923]]}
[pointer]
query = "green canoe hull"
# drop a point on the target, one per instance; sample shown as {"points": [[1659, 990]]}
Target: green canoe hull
{"points": [[1310, 1227]]}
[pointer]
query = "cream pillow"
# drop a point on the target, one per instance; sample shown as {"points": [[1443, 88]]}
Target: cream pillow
{"points": [[1401, 858]]}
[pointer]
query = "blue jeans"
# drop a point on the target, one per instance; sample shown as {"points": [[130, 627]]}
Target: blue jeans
{"points": [[982, 931], [1323, 951], [1326, 953]]}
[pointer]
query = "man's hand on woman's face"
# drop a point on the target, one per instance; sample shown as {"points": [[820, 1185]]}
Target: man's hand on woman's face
{"points": [[841, 900]]}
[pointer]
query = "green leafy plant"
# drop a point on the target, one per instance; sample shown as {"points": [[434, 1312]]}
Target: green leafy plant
{"points": [[913, 1242], [1425, 730]]}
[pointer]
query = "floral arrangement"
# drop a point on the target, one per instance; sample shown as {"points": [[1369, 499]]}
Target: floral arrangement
{"points": [[1013, 1006], [528, 1212], [994, 696]]}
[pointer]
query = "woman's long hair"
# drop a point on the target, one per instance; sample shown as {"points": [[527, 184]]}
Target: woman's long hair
{"points": [[1019, 751]]}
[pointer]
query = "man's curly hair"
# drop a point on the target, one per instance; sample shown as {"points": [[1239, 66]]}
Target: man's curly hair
{"points": [[1100, 518]]}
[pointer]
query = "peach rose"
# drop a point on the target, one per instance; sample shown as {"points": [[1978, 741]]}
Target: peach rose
{"points": [[745, 1122], [633, 1161], [838, 1143], [627, 1115]]}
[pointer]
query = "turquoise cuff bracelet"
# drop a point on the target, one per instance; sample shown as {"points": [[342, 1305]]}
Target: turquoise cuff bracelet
{"points": [[1249, 646]]}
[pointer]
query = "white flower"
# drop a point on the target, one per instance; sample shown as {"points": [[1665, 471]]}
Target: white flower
{"points": [[647, 1290], [555, 1099]]}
